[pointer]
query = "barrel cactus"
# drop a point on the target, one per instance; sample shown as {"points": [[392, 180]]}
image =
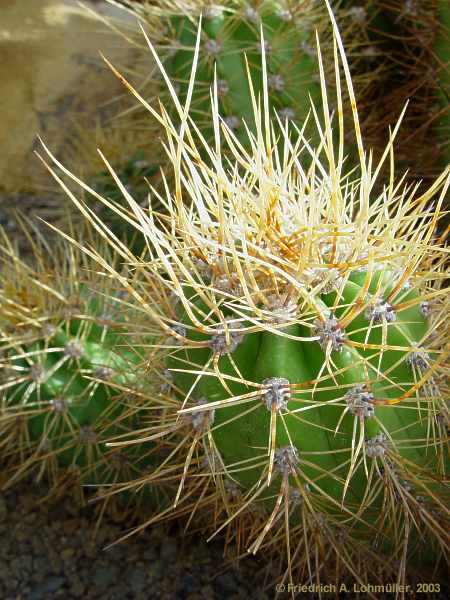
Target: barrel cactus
{"points": [[64, 365], [302, 347], [231, 32]]}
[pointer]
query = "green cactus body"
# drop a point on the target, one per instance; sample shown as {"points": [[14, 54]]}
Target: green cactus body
{"points": [[265, 355], [65, 363], [301, 316], [67, 415], [336, 420], [68, 405], [227, 35]]}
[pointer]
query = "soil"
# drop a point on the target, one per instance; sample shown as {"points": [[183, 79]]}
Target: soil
{"points": [[48, 551]]}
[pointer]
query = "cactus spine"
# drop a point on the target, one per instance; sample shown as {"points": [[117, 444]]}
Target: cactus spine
{"points": [[417, 62], [442, 50], [228, 33]]}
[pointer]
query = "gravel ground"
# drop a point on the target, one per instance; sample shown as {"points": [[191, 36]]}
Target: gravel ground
{"points": [[48, 551]]}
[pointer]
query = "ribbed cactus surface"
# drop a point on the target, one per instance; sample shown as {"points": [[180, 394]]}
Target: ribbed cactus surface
{"points": [[233, 30], [325, 380], [64, 365], [231, 42]]}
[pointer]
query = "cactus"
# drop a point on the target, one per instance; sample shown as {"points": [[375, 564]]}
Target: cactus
{"points": [[65, 363], [231, 29], [132, 174], [302, 345], [130, 151], [226, 37]]}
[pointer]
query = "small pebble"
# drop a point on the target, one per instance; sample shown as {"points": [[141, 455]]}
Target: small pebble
{"points": [[43, 590]]}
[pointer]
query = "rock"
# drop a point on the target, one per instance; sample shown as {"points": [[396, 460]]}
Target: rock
{"points": [[76, 586], [168, 549], [67, 554], [187, 584], [227, 584], [40, 565], [137, 579], [52, 80], [105, 576], [71, 526]]}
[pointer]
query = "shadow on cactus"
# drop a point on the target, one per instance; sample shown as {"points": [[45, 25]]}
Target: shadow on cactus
{"points": [[303, 335]]}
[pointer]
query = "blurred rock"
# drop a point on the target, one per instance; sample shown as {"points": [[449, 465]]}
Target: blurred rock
{"points": [[52, 77]]}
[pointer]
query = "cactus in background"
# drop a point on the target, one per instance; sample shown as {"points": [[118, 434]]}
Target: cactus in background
{"points": [[130, 149], [231, 29], [65, 364], [132, 174], [303, 351]]}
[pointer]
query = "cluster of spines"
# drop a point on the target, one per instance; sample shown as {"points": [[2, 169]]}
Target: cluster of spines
{"points": [[67, 380]]}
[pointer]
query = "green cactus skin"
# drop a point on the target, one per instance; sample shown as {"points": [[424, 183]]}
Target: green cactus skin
{"points": [[262, 356], [231, 29], [55, 370], [291, 58], [65, 364]]}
